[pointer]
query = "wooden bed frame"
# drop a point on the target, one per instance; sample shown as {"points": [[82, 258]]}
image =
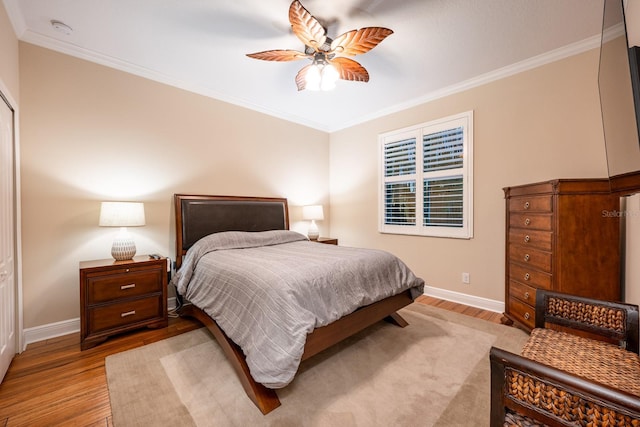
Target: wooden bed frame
{"points": [[198, 216]]}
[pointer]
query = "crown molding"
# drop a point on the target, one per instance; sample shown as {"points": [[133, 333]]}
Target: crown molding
{"points": [[501, 73]]}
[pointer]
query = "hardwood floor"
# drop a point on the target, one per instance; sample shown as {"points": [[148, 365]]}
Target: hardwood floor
{"points": [[54, 383]]}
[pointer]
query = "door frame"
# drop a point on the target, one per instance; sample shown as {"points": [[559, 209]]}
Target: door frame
{"points": [[13, 104]]}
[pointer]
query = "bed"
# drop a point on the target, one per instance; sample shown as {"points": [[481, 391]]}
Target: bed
{"points": [[215, 233]]}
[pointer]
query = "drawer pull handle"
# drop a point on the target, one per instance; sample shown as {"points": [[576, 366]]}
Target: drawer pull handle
{"points": [[129, 286], [128, 313], [526, 295], [527, 316], [527, 221], [526, 205], [527, 276], [527, 257], [527, 238]]}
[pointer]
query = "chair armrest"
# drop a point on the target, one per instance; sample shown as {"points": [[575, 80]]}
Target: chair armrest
{"points": [[614, 321], [552, 396]]}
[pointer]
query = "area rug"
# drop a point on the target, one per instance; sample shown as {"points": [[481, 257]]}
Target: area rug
{"points": [[434, 372]]}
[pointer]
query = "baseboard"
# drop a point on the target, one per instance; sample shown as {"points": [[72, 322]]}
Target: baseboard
{"points": [[65, 327], [51, 330], [470, 300]]}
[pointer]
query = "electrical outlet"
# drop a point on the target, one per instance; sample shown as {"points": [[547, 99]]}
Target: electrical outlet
{"points": [[465, 278]]}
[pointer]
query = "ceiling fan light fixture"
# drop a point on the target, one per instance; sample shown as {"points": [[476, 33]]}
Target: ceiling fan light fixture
{"points": [[322, 75], [313, 78], [329, 77]]}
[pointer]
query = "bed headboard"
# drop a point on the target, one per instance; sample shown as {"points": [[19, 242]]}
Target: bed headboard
{"points": [[198, 216]]}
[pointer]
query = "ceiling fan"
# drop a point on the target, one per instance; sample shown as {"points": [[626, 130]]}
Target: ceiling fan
{"points": [[329, 57]]}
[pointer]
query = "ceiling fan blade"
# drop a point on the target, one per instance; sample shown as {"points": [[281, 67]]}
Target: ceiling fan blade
{"points": [[278, 55], [348, 69], [301, 77], [306, 27], [355, 42]]}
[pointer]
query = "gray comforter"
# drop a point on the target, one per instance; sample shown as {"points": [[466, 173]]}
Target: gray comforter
{"points": [[268, 290]]}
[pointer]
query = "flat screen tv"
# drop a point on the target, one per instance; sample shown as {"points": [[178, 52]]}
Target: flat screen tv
{"points": [[619, 86]]}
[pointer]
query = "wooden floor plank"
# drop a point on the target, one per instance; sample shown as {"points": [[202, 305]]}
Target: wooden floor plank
{"points": [[53, 382]]}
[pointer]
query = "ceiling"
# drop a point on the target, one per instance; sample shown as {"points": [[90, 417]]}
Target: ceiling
{"points": [[438, 46]]}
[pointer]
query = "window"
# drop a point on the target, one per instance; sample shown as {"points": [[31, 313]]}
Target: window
{"points": [[426, 179]]}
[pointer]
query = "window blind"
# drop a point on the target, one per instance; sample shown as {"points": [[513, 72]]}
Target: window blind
{"points": [[400, 203], [400, 157], [443, 202], [443, 150]]}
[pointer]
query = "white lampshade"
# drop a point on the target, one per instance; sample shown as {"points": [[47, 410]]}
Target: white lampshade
{"points": [[122, 214], [313, 213]]}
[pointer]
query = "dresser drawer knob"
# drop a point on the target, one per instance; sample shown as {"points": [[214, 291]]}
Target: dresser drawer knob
{"points": [[128, 313], [527, 221], [526, 205], [527, 257], [527, 276], [526, 295], [129, 286], [127, 270], [527, 238], [527, 316]]}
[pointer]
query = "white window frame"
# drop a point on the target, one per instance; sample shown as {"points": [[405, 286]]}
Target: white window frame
{"points": [[464, 120]]}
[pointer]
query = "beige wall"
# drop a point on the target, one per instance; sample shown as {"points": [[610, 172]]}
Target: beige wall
{"points": [[538, 125], [8, 56], [91, 133]]}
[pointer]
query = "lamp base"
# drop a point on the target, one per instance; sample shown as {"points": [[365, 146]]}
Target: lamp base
{"points": [[123, 248], [313, 232]]}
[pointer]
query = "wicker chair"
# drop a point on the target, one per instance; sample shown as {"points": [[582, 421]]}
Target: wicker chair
{"points": [[580, 367]]}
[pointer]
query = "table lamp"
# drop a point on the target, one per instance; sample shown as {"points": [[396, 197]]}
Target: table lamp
{"points": [[123, 215], [313, 213]]}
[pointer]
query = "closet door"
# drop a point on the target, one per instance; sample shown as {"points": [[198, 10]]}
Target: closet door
{"points": [[7, 239]]}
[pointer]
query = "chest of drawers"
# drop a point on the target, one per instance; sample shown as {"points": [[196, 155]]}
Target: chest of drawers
{"points": [[117, 296], [562, 235]]}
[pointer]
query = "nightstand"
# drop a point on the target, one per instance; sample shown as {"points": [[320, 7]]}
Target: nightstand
{"points": [[118, 296], [326, 240]]}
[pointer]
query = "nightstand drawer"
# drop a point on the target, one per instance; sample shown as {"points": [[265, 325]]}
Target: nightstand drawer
{"points": [[126, 313], [113, 287]]}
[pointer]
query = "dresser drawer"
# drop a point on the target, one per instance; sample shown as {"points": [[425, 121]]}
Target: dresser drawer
{"points": [[528, 276], [126, 313], [523, 313], [531, 238], [524, 293], [112, 287], [530, 257], [533, 221], [531, 204]]}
